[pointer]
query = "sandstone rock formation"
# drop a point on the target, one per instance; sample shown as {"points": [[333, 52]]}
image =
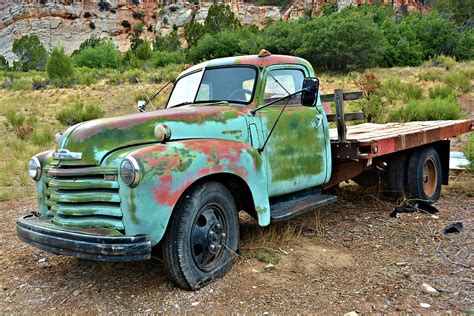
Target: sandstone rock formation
{"points": [[68, 23]]}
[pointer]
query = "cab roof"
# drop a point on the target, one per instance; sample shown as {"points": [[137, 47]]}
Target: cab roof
{"points": [[256, 60]]}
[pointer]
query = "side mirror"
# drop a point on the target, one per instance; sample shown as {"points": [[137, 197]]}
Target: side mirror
{"points": [[141, 105], [308, 96]]}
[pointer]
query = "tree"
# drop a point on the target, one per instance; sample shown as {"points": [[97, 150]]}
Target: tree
{"points": [[193, 31], [220, 18], [104, 55], [59, 67], [31, 53], [458, 11], [143, 50], [343, 42], [3, 63], [168, 43]]}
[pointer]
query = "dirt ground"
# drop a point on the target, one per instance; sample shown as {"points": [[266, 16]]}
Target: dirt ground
{"points": [[350, 257]]}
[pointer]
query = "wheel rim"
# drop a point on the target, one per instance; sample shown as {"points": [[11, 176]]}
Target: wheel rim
{"points": [[208, 236], [430, 177]]}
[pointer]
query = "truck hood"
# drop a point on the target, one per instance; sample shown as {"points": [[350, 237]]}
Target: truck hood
{"points": [[96, 138]]}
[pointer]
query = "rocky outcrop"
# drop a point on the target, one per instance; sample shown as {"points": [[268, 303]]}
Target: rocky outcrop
{"points": [[68, 23]]}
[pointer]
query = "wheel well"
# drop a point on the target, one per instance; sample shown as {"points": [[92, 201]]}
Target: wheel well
{"points": [[237, 187]]}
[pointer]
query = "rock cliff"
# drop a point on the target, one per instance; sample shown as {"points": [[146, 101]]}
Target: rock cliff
{"points": [[68, 23]]}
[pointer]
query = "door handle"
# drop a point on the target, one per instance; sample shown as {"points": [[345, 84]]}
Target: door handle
{"points": [[318, 121]]}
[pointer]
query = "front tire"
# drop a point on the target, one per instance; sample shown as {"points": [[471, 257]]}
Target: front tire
{"points": [[202, 236]]}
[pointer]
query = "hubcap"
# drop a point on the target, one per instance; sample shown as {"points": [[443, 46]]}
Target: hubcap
{"points": [[208, 236], [430, 177]]}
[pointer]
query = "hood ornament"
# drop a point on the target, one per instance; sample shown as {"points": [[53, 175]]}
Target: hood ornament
{"points": [[65, 154]]}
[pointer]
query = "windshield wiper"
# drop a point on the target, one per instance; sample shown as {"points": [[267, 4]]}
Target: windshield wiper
{"points": [[181, 104]]}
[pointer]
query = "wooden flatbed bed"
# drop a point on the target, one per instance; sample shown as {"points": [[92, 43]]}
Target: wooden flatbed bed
{"points": [[356, 148], [369, 140]]}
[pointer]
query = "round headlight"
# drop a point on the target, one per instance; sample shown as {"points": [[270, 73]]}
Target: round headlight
{"points": [[34, 169], [130, 172]]}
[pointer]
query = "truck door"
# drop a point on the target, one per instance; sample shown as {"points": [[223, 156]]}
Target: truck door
{"points": [[297, 153]]}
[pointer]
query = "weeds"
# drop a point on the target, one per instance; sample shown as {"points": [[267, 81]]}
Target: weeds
{"points": [[444, 61], [441, 92], [469, 152], [430, 76], [78, 112], [21, 125], [42, 137], [427, 110], [458, 81]]}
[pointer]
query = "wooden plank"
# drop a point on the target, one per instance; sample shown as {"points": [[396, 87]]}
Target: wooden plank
{"points": [[351, 116], [347, 96], [341, 124]]}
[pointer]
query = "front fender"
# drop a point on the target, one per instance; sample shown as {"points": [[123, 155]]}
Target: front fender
{"points": [[169, 169]]}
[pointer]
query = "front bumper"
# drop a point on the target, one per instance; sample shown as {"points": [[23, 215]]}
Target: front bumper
{"points": [[89, 243]]}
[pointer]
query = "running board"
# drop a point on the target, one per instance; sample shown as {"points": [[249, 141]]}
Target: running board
{"points": [[286, 209]]}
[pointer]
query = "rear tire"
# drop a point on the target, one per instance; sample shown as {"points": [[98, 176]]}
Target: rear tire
{"points": [[395, 184], [424, 175], [202, 236]]}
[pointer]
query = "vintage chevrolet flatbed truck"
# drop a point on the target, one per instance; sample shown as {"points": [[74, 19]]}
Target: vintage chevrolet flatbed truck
{"points": [[236, 135]]}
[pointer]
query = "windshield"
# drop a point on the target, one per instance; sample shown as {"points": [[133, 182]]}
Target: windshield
{"points": [[231, 84]]}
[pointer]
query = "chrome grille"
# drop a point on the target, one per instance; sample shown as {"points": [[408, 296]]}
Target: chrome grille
{"points": [[83, 196]]}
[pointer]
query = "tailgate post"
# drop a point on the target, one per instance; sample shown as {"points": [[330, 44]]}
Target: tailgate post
{"points": [[341, 122]]}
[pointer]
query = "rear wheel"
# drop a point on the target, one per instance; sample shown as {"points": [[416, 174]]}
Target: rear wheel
{"points": [[395, 182], [424, 175], [202, 236]]}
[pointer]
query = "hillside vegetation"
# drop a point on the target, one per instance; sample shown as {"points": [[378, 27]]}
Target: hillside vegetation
{"points": [[430, 78]]}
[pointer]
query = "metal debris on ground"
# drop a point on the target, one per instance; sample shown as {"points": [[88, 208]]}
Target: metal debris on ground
{"points": [[412, 206], [453, 228]]}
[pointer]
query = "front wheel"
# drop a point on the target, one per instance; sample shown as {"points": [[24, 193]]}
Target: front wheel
{"points": [[202, 236]]}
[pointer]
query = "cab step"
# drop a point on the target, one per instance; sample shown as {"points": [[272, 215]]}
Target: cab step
{"points": [[289, 206]]}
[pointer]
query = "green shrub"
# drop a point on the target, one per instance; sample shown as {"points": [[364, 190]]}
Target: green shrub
{"points": [[343, 41], [444, 61], [59, 67], [130, 60], [21, 125], [87, 76], [168, 43], [31, 53], [411, 92], [143, 50], [78, 112], [284, 37], [3, 63], [22, 84], [469, 151], [103, 55], [160, 59], [126, 24], [441, 92], [223, 44], [427, 110], [458, 81], [430, 76], [42, 137]]}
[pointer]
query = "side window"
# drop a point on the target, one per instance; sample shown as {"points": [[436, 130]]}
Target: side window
{"points": [[280, 80]]}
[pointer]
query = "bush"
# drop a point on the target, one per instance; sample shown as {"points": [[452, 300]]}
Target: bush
{"points": [[458, 81], [469, 151], [284, 37], [342, 42], [21, 125], [427, 110], [31, 53], [138, 15], [103, 55], [87, 14], [160, 59], [59, 67], [369, 83], [168, 43], [143, 50], [223, 44], [42, 137], [444, 61], [441, 92], [78, 112], [3, 63], [104, 5], [92, 25], [430, 76], [130, 61], [22, 84], [126, 24]]}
